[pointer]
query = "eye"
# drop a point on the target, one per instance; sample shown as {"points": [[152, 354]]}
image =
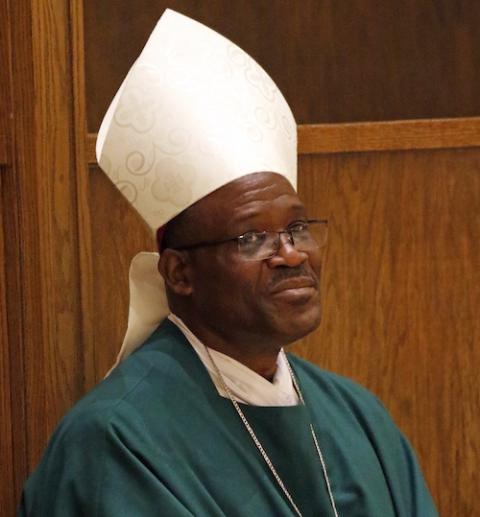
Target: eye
{"points": [[298, 227], [251, 238]]}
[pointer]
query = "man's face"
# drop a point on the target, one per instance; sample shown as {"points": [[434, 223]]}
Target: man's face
{"points": [[273, 300]]}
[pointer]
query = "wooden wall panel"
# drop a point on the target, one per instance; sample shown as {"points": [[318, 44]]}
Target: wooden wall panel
{"points": [[118, 233], [84, 209], [7, 481], [39, 212], [14, 388], [335, 61], [401, 298], [400, 135], [5, 80], [48, 221]]}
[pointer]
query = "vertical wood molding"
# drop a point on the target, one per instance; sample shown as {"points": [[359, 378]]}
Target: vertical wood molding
{"points": [[5, 103], [4, 158], [12, 413], [82, 188], [19, 73], [11, 458], [47, 359], [7, 498]]}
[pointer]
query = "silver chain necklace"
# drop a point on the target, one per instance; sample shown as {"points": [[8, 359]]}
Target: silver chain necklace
{"points": [[259, 446]]}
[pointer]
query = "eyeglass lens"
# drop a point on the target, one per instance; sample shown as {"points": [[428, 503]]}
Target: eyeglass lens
{"points": [[260, 246]]}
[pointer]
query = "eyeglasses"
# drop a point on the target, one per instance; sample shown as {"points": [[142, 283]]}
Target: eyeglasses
{"points": [[303, 235]]}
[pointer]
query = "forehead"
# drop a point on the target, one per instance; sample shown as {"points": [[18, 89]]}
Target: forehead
{"points": [[255, 196]]}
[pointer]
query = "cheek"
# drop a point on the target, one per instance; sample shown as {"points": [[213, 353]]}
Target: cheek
{"points": [[243, 284], [227, 282]]}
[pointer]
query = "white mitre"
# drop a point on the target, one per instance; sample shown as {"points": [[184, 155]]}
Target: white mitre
{"points": [[194, 113]]}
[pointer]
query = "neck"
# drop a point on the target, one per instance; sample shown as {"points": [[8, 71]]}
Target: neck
{"points": [[258, 356], [264, 365]]}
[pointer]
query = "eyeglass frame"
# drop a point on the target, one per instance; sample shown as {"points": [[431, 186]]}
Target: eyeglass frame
{"points": [[239, 237]]}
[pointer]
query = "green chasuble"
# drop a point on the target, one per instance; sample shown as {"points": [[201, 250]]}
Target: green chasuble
{"points": [[156, 439]]}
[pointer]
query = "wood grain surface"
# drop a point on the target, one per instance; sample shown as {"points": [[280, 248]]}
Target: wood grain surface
{"points": [[14, 389], [401, 298], [43, 277], [7, 480], [82, 183], [118, 233], [13, 444], [51, 276], [5, 99], [356, 60], [389, 135], [4, 155]]}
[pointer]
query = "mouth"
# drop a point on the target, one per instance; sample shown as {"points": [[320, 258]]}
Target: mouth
{"points": [[296, 291], [297, 284], [299, 296]]}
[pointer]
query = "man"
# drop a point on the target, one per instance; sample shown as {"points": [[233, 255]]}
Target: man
{"points": [[209, 416]]}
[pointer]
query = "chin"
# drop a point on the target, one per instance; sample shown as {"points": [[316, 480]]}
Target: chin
{"points": [[295, 324]]}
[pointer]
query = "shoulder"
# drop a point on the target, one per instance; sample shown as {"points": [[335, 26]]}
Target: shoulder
{"points": [[340, 405], [78, 457], [327, 380], [92, 428], [330, 389], [346, 411], [120, 400]]}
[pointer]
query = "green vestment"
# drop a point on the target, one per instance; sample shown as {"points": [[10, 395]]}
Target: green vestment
{"points": [[156, 439]]}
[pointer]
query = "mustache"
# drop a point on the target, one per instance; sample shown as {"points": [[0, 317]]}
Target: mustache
{"points": [[301, 271]]}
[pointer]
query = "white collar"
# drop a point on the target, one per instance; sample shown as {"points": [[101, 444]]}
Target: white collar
{"points": [[247, 386]]}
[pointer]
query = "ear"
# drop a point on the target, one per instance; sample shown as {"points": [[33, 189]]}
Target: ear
{"points": [[175, 268]]}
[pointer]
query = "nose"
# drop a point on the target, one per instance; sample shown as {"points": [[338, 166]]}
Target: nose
{"points": [[287, 254]]}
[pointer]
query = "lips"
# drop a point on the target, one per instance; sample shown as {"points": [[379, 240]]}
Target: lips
{"points": [[297, 284]]}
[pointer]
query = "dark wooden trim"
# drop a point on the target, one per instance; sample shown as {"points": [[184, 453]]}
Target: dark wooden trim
{"points": [[6, 82], [90, 148], [389, 136], [3, 150], [21, 75], [82, 191], [8, 499], [360, 137]]}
